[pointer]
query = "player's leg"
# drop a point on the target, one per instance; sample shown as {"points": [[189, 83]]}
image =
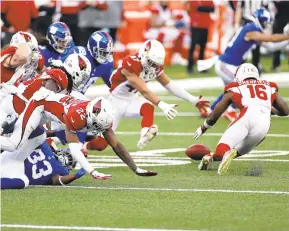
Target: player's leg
{"points": [[28, 121], [224, 150], [226, 72], [140, 107], [257, 133], [12, 173]]}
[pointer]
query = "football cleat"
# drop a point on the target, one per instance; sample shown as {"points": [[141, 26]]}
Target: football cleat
{"points": [[226, 161], [147, 134], [206, 162]]}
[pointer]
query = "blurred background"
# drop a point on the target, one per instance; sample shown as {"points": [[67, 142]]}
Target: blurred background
{"points": [[189, 30]]}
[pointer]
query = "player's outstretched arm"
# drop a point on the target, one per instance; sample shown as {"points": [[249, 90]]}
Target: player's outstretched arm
{"points": [[258, 36], [75, 149], [140, 85], [124, 155], [281, 106], [181, 93], [64, 180], [215, 115]]}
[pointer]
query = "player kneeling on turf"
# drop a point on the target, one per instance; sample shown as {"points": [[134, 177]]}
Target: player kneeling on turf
{"points": [[254, 98]]}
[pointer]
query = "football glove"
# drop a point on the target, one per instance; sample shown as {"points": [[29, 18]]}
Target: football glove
{"points": [[203, 107], [143, 172], [100, 176], [168, 109]]}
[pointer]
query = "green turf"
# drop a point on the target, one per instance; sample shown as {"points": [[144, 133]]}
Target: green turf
{"points": [[167, 209]]}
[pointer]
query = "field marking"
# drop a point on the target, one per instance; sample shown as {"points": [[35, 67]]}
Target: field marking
{"points": [[84, 228], [171, 189], [196, 114], [190, 134], [211, 98]]}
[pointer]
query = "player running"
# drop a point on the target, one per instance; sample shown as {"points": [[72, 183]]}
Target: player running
{"points": [[42, 167], [131, 77], [86, 116], [254, 98], [244, 40]]}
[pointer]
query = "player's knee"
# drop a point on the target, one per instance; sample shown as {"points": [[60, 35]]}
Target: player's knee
{"points": [[147, 108], [98, 144], [220, 151]]}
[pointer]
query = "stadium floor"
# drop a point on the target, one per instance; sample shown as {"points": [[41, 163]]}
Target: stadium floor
{"points": [[252, 195]]}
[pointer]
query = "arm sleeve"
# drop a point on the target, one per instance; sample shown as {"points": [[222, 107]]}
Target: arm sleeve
{"points": [[275, 46], [181, 93], [75, 150]]}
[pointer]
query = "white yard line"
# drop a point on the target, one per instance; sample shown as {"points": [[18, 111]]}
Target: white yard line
{"points": [[175, 189], [191, 134], [282, 79], [196, 114], [83, 228]]}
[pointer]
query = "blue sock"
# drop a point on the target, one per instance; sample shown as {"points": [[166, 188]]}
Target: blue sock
{"points": [[81, 136], [217, 101], [12, 183]]}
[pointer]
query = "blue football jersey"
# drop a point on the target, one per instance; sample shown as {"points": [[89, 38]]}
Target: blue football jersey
{"points": [[41, 166], [97, 70], [50, 54], [238, 46]]}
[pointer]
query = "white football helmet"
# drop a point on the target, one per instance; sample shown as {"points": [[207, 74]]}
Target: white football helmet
{"points": [[79, 67], [99, 115], [245, 71], [152, 55]]}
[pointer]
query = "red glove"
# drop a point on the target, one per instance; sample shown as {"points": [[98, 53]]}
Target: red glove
{"points": [[203, 107]]}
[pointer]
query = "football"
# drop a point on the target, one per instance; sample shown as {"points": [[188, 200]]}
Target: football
{"points": [[197, 151]]}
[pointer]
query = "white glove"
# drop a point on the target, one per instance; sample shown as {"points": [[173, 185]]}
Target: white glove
{"points": [[57, 63], [286, 29], [98, 175], [168, 109], [198, 133]]}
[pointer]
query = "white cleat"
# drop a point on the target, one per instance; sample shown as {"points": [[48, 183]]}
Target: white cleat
{"points": [[146, 135], [206, 163], [226, 161]]}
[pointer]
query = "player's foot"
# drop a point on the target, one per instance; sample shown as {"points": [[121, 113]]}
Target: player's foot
{"points": [[226, 161], [146, 135], [206, 162], [231, 115]]}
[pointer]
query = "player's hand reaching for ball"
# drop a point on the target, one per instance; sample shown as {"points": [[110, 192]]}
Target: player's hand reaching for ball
{"points": [[203, 106], [200, 131], [168, 109], [143, 172], [100, 176]]}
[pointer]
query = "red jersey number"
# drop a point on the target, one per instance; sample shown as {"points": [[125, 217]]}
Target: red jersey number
{"points": [[258, 91]]}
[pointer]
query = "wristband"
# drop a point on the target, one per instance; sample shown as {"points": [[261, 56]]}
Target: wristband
{"points": [[162, 105], [61, 181], [206, 125], [80, 173]]}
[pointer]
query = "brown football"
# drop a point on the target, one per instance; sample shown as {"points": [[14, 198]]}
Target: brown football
{"points": [[197, 151]]}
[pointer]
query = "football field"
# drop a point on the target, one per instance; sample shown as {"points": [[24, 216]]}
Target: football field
{"points": [[252, 195]]}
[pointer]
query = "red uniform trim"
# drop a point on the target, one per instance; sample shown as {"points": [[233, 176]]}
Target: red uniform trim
{"points": [[242, 113]]}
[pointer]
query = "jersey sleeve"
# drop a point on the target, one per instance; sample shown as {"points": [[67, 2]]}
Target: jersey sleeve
{"points": [[133, 65], [231, 87], [273, 86], [74, 121]]}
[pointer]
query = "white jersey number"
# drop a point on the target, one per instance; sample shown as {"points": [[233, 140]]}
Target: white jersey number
{"points": [[38, 173]]}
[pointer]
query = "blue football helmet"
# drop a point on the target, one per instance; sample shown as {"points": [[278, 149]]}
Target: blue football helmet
{"points": [[59, 37], [262, 17], [100, 46]]}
